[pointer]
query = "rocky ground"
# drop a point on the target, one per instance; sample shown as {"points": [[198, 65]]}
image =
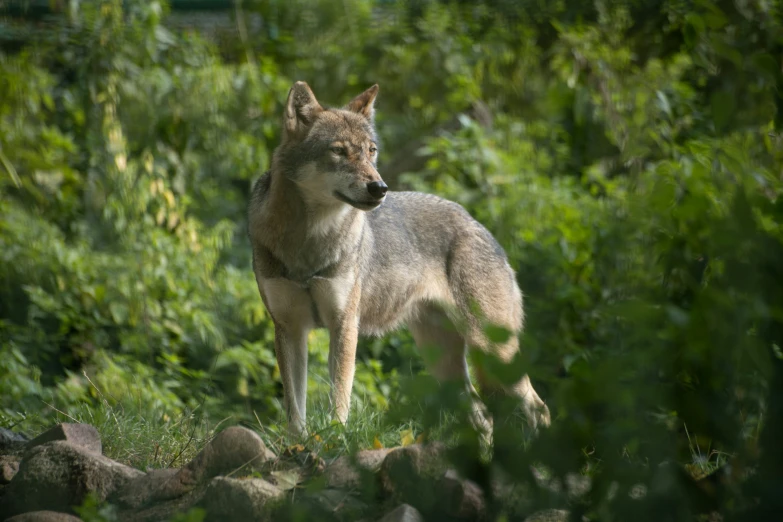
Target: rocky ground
{"points": [[236, 477]]}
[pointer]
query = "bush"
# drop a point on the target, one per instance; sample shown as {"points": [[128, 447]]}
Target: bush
{"points": [[631, 171]]}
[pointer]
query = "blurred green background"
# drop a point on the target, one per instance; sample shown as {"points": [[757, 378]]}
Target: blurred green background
{"points": [[628, 156]]}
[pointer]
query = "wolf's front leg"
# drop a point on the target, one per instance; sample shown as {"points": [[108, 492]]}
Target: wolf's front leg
{"points": [[342, 364], [291, 353], [338, 298], [290, 308]]}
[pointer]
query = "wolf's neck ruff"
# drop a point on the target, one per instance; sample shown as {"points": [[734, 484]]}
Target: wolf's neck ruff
{"points": [[308, 239]]}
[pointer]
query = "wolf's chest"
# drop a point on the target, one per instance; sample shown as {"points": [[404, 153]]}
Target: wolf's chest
{"points": [[316, 302]]}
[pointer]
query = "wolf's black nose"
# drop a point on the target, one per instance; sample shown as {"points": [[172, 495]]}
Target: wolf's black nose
{"points": [[377, 189]]}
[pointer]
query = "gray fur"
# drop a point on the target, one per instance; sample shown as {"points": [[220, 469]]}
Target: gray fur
{"points": [[327, 254]]}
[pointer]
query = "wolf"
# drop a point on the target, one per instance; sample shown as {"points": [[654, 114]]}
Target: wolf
{"points": [[334, 248]]}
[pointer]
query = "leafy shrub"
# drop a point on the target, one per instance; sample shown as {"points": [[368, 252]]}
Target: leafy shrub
{"points": [[631, 172]]}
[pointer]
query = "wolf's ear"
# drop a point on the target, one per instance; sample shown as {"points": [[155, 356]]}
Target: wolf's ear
{"points": [[364, 103], [300, 109]]}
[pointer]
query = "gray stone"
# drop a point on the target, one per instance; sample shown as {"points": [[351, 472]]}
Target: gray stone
{"points": [[155, 486], [346, 471], [159, 494], [461, 498], [239, 499], [234, 450], [9, 466], [411, 474], [44, 516], [160, 510], [82, 435], [403, 513], [59, 475], [342, 503]]}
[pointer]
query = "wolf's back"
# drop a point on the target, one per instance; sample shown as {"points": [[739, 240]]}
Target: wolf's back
{"points": [[413, 223]]}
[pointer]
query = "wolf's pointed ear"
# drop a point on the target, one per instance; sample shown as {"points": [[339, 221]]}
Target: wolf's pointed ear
{"points": [[300, 109], [364, 104]]}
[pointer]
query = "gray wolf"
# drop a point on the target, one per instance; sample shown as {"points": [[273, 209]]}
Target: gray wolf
{"points": [[333, 248]]}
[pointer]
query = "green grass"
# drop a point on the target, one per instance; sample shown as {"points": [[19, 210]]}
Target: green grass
{"points": [[365, 425], [705, 461], [141, 439], [146, 439]]}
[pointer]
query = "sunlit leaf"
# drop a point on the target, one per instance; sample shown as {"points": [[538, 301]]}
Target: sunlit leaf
{"points": [[407, 438], [286, 479]]}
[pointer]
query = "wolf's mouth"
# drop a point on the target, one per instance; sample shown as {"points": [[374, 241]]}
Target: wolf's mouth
{"points": [[361, 205]]}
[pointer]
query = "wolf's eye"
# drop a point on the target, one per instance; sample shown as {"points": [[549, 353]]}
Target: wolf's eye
{"points": [[373, 149], [340, 151]]}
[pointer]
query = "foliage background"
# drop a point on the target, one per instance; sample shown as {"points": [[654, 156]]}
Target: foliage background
{"points": [[630, 161]]}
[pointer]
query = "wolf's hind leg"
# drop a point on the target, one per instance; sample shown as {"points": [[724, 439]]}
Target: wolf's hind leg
{"points": [[536, 411], [444, 351], [486, 293]]}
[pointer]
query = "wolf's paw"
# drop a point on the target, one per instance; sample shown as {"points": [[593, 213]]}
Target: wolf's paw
{"points": [[537, 414], [297, 429], [544, 418]]}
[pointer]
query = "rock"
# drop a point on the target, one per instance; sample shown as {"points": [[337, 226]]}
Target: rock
{"points": [[403, 513], [59, 475], [161, 493], [44, 516], [549, 515], [420, 460], [238, 499], [9, 466], [331, 504], [155, 486], [347, 471], [461, 499], [82, 435], [411, 474], [10, 441], [159, 509], [232, 450]]}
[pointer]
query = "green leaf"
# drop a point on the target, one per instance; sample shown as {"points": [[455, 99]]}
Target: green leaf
{"points": [[723, 106], [497, 334], [766, 64], [9, 167], [119, 312], [286, 479]]}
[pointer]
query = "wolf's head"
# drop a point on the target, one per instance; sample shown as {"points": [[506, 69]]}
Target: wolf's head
{"points": [[331, 154]]}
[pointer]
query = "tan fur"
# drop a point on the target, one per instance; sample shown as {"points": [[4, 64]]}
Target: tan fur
{"points": [[331, 249]]}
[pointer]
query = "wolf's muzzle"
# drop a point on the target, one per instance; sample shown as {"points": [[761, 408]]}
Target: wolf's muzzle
{"points": [[361, 205], [377, 189]]}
